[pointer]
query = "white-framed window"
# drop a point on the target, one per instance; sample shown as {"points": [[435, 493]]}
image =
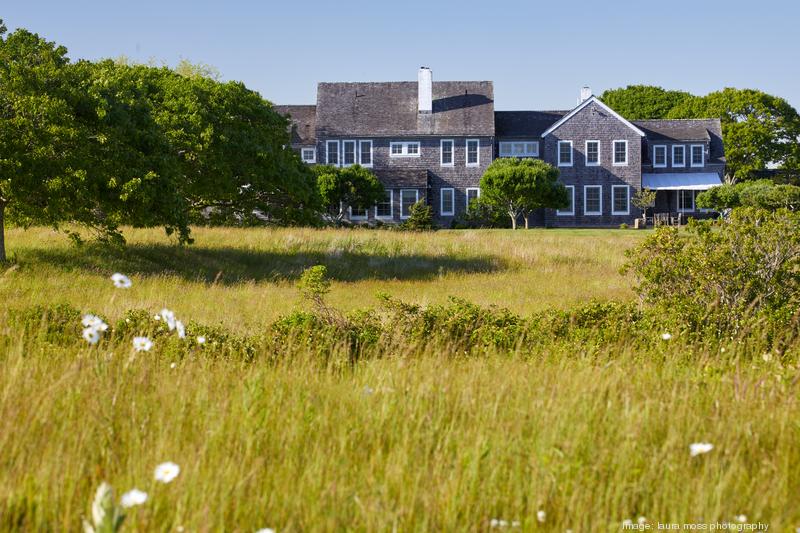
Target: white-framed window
{"points": [[660, 156], [446, 155], [519, 149], [698, 154], [404, 149], [385, 209], [620, 200], [348, 153], [408, 197], [569, 210], [565, 153], [473, 152], [685, 201], [592, 199], [447, 201], [365, 153], [620, 153], [473, 193], [308, 155], [358, 213], [332, 153], [592, 153], [678, 155]]}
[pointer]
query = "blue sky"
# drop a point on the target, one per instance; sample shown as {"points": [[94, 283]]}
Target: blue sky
{"points": [[538, 54]]}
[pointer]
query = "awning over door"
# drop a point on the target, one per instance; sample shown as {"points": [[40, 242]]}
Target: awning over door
{"points": [[681, 181]]}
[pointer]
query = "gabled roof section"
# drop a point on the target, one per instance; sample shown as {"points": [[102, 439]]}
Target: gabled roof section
{"points": [[687, 130], [303, 122], [390, 109], [585, 103], [524, 124]]}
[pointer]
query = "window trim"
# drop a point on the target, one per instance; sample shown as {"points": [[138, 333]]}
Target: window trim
{"points": [[502, 153], [586, 153], [614, 154], [405, 145], [656, 147], [558, 155], [452, 162], [390, 216], [678, 201], [313, 155], [683, 151], [355, 153], [571, 212], [371, 153], [328, 153], [477, 162], [592, 213], [416, 196], [702, 155], [452, 211], [627, 199], [357, 217], [466, 195]]}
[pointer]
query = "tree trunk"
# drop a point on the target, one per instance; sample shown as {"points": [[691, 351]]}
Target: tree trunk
{"points": [[2, 233], [513, 222]]}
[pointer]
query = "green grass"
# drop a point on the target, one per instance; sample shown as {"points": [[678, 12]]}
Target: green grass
{"points": [[420, 439]]}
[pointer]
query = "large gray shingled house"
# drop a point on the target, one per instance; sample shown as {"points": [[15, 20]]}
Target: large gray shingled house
{"points": [[433, 141]]}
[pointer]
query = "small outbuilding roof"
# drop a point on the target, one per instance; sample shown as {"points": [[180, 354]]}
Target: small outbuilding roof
{"points": [[681, 181]]}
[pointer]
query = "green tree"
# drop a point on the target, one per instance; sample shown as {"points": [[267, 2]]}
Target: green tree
{"points": [[644, 199], [353, 186], [639, 102], [518, 186], [759, 129], [420, 217], [762, 194]]}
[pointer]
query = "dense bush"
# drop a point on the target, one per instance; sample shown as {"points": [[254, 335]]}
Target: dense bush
{"points": [[761, 194], [420, 218]]}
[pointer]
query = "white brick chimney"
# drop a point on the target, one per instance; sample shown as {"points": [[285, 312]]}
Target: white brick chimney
{"points": [[425, 90], [586, 93]]}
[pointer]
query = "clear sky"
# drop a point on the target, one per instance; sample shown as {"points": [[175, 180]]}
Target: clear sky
{"points": [[538, 54]]}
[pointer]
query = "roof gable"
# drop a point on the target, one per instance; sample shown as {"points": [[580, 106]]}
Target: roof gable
{"points": [[582, 105]]}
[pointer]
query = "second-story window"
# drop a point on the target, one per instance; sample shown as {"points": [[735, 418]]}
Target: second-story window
{"points": [[404, 149], [473, 152], [309, 155], [446, 148], [348, 153], [365, 153], [678, 158], [620, 153], [519, 149], [592, 153], [660, 156], [698, 155], [565, 153], [332, 153]]}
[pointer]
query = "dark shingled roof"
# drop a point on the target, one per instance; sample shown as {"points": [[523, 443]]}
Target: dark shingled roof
{"points": [[390, 108], [416, 177], [525, 123], [694, 129], [303, 122]]}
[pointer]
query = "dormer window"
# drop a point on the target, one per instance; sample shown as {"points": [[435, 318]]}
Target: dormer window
{"points": [[698, 155], [660, 156]]}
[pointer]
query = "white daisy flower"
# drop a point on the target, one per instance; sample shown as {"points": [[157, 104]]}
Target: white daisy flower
{"points": [[741, 518], [180, 329], [496, 522], [133, 497], [94, 322], [698, 448], [666, 336], [91, 335], [266, 530], [142, 344], [641, 520], [121, 281], [201, 339], [541, 516], [168, 317], [166, 472], [173, 365]]}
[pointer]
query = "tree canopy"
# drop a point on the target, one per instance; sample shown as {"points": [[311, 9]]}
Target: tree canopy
{"points": [[518, 186], [640, 102], [109, 143], [761, 194], [340, 188]]}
